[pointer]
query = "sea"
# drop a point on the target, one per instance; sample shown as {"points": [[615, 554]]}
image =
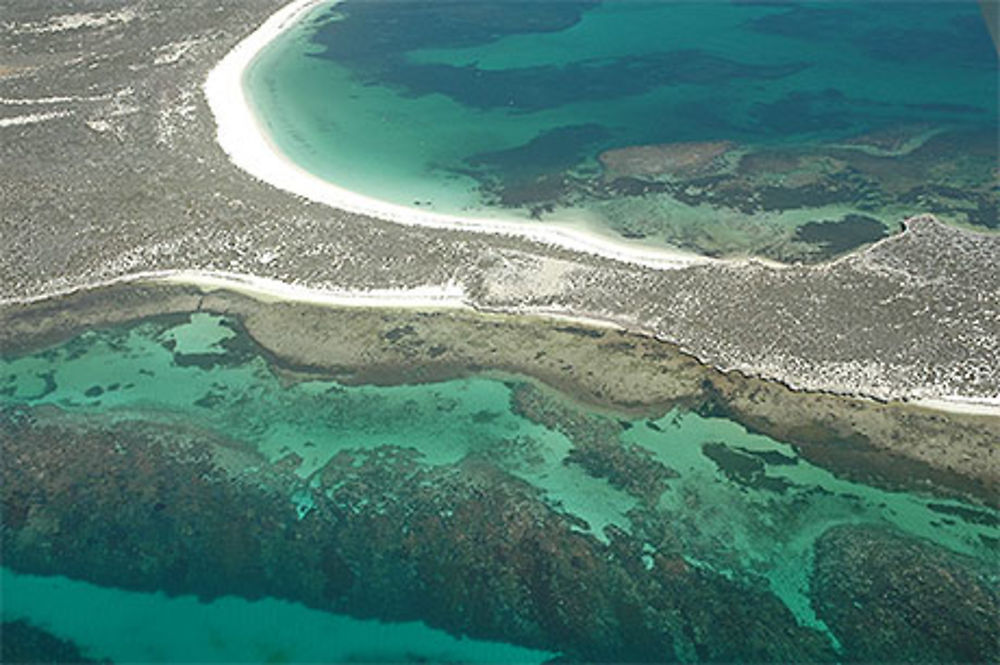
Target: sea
{"points": [[169, 496], [172, 492], [797, 131]]}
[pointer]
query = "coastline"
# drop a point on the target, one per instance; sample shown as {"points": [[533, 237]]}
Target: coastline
{"points": [[250, 148], [889, 321], [263, 289], [449, 297], [621, 373]]}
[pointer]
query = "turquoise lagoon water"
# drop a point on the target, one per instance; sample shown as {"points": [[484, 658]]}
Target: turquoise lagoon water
{"points": [[795, 130], [191, 373], [133, 627]]}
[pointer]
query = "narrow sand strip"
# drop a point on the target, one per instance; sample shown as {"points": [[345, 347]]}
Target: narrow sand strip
{"points": [[431, 297], [249, 147], [32, 119], [447, 296], [984, 406]]}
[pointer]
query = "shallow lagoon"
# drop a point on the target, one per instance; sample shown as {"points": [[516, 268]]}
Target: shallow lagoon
{"points": [[791, 131], [739, 506]]}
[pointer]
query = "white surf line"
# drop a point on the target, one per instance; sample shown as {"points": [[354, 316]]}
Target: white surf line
{"points": [[251, 148], [34, 118]]}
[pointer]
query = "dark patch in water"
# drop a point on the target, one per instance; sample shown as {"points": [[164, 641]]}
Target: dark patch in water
{"points": [[837, 237], [976, 208], [555, 150], [94, 391], [807, 23], [891, 597], [376, 36], [210, 400], [966, 44], [484, 416], [23, 642], [499, 564], [742, 468], [205, 361], [968, 514], [50, 384], [544, 87], [953, 33], [939, 107], [378, 31], [807, 111], [772, 457]]}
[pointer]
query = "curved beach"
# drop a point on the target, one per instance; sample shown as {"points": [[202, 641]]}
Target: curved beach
{"points": [[536, 441], [145, 192], [249, 147]]}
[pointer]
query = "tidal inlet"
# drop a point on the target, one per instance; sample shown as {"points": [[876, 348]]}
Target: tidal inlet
{"points": [[492, 331]]}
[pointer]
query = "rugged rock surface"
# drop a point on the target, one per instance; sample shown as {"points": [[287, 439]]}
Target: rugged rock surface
{"points": [[465, 547], [893, 598]]}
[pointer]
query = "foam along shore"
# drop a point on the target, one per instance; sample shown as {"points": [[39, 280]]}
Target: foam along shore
{"points": [[250, 147]]}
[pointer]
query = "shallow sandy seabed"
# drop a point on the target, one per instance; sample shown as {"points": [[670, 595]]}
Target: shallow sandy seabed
{"points": [[249, 147]]}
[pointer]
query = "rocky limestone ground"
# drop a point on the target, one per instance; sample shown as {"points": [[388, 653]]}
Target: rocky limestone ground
{"points": [[110, 168]]}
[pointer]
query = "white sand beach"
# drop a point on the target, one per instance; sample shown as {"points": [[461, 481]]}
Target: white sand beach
{"points": [[249, 147], [447, 296], [964, 405]]}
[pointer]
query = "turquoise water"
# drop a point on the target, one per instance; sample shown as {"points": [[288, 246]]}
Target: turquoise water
{"points": [[740, 505], [790, 130], [132, 627]]}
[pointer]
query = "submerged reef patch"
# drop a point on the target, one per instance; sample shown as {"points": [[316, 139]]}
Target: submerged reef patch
{"points": [[895, 598], [500, 510]]}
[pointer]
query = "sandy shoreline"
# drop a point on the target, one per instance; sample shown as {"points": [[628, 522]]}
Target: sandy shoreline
{"points": [[963, 405], [427, 298], [448, 296], [250, 148]]}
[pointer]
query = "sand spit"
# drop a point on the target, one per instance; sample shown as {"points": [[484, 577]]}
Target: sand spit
{"points": [[249, 147]]}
